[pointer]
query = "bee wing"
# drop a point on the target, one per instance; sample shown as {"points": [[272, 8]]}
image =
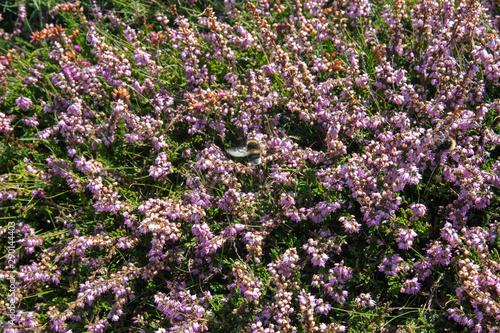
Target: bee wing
{"points": [[256, 161], [237, 151]]}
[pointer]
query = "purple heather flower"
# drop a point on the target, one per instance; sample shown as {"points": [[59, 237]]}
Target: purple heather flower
{"points": [[130, 34], [440, 254], [365, 300], [339, 297], [183, 308], [269, 69], [390, 265], [287, 200], [71, 152], [322, 307], [245, 283], [285, 265], [410, 176], [424, 268], [24, 103], [319, 259], [77, 48], [322, 209], [343, 273], [362, 80], [350, 224], [30, 121], [405, 237], [5, 123], [386, 136], [476, 238], [418, 211], [38, 192], [162, 167], [411, 286], [450, 234], [20, 20]]}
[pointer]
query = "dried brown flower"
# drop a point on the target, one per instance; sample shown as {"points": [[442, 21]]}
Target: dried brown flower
{"points": [[121, 93], [50, 32]]}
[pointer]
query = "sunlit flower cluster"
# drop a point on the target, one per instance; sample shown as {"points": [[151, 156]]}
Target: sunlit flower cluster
{"points": [[127, 206]]}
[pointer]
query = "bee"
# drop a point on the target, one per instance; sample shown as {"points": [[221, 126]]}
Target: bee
{"points": [[445, 143], [252, 151]]}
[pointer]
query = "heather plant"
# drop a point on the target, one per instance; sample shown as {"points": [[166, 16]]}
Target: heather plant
{"points": [[375, 207]]}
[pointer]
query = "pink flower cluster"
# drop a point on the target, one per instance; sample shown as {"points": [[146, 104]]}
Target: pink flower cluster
{"points": [[116, 174]]}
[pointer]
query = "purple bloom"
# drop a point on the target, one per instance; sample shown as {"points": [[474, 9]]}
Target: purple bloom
{"points": [[450, 234], [38, 192], [322, 307], [30, 121], [418, 211], [5, 122], [365, 300], [24, 103], [245, 283], [390, 265], [319, 259], [162, 167], [350, 224], [287, 200], [411, 286], [362, 80], [440, 254], [186, 311], [285, 265], [405, 237]]}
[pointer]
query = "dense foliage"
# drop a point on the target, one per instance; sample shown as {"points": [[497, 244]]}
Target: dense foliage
{"points": [[375, 207]]}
